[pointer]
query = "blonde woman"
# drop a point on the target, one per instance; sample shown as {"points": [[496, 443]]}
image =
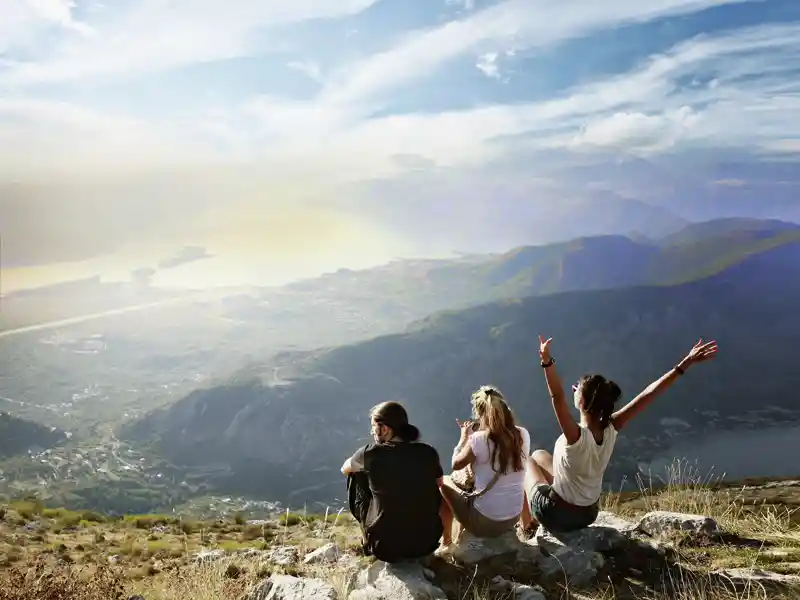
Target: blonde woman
{"points": [[496, 449]]}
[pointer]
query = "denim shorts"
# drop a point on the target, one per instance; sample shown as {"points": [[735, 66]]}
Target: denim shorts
{"points": [[556, 517]]}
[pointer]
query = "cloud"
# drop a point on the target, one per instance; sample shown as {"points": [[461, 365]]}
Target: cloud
{"points": [[23, 20], [152, 35], [515, 23], [487, 64], [636, 132], [68, 165], [466, 5], [308, 68]]}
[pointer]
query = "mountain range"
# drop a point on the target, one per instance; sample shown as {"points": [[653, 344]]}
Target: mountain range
{"points": [[281, 426]]}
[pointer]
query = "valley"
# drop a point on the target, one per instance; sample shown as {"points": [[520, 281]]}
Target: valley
{"points": [[255, 394]]}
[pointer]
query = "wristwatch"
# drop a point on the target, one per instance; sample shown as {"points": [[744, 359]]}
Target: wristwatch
{"points": [[549, 363]]}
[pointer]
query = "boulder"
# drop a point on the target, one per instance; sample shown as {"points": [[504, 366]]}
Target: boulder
{"points": [[578, 556], [572, 557], [607, 519], [209, 556], [329, 553], [757, 575], [471, 549], [398, 581], [664, 524], [515, 591], [283, 556], [286, 587]]}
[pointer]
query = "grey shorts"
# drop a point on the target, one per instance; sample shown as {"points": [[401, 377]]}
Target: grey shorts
{"points": [[471, 518], [554, 515]]}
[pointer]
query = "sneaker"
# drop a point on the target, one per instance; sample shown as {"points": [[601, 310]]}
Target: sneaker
{"points": [[444, 551]]}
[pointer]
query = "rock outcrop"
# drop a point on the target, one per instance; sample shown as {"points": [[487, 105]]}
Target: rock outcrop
{"points": [[612, 549], [400, 581], [286, 587], [664, 524]]}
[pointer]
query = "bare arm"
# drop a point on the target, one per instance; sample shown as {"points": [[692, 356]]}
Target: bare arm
{"points": [[563, 414], [463, 457], [699, 353], [354, 463], [347, 468]]}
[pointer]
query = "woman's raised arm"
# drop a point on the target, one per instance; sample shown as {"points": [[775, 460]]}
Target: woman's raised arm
{"points": [[565, 420], [700, 352]]}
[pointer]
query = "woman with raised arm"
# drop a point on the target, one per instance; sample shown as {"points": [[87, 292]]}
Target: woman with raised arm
{"points": [[563, 489]]}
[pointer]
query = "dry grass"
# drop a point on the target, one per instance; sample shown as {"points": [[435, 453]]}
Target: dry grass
{"points": [[745, 510], [41, 583]]}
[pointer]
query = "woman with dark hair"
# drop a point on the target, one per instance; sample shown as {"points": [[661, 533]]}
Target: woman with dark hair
{"points": [[496, 449], [393, 488], [564, 489]]}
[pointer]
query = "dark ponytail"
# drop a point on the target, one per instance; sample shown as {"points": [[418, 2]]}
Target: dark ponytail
{"points": [[395, 417], [599, 396], [408, 433]]}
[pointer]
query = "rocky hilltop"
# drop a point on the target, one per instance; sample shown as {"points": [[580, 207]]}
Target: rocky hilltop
{"points": [[712, 542]]}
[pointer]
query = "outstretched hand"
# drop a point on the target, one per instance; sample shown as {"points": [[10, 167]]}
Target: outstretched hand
{"points": [[544, 348], [702, 351]]}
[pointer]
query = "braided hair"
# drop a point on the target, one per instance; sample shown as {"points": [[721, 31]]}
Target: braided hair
{"points": [[599, 395]]}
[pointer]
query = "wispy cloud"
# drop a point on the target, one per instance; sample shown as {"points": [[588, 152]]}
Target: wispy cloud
{"points": [[487, 64], [152, 35], [308, 68]]}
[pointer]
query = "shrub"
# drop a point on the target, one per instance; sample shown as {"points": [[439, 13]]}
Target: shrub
{"points": [[188, 527], [148, 521], [28, 509], [92, 516], [290, 519], [68, 521]]}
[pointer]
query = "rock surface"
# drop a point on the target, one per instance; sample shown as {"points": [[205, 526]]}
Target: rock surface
{"points": [[663, 524], [329, 553], [471, 549], [399, 581], [286, 587], [517, 591], [758, 575], [208, 556], [283, 556]]}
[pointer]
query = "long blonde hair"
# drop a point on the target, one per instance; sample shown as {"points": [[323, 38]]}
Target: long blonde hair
{"points": [[491, 408]]}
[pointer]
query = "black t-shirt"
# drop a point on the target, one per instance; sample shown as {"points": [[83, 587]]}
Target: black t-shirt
{"points": [[403, 519]]}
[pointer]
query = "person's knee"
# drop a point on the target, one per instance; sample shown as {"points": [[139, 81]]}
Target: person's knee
{"points": [[541, 457]]}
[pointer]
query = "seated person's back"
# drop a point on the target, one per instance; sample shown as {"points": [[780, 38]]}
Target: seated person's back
{"points": [[396, 480], [504, 499]]}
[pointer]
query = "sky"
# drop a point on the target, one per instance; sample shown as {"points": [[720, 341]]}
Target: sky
{"points": [[291, 138]]}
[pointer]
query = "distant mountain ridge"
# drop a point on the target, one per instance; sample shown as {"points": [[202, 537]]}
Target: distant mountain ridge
{"points": [[347, 306], [18, 436], [284, 426]]}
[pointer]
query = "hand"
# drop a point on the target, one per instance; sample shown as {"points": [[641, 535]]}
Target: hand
{"points": [[701, 352], [544, 348], [466, 428]]}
